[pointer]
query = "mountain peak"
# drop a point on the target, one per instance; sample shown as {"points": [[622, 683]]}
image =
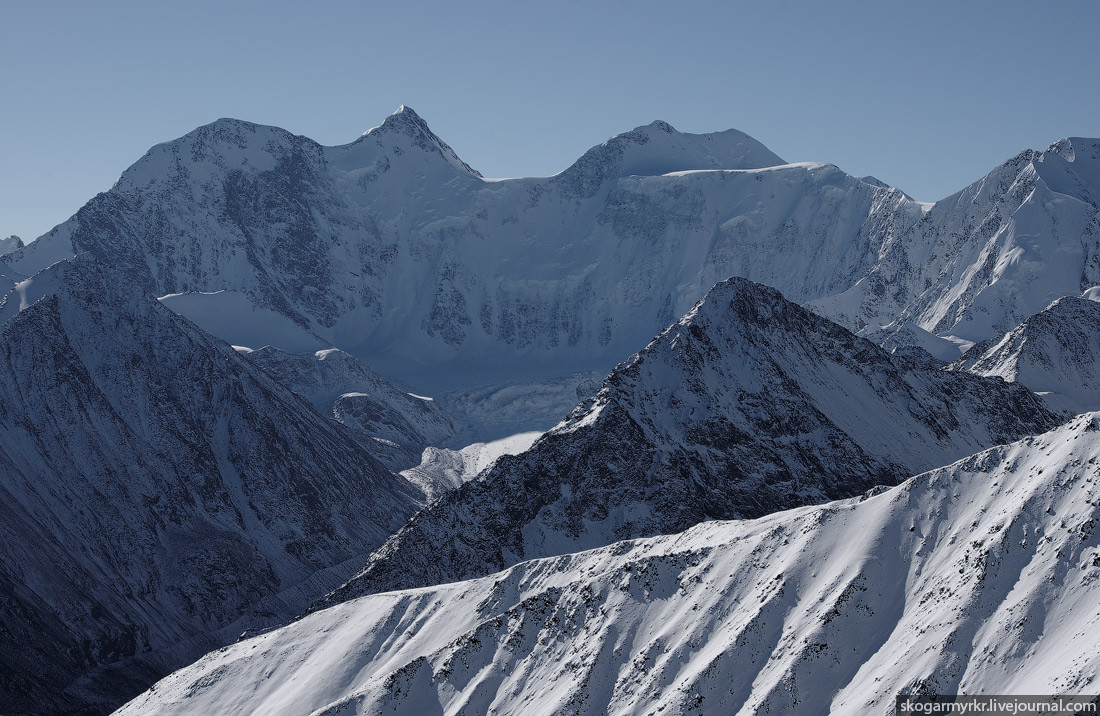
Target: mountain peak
{"points": [[406, 122], [12, 243], [658, 148], [661, 126], [748, 405], [405, 118], [747, 299], [1070, 147]]}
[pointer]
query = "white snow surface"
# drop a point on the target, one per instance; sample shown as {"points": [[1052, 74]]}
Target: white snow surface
{"points": [[395, 250], [443, 469], [982, 577], [981, 261], [1055, 353]]}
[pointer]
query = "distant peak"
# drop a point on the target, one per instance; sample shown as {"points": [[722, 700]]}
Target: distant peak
{"points": [[661, 126], [658, 148], [748, 298], [405, 121], [12, 243], [738, 287], [1070, 147], [223, 124], [232, 122]]}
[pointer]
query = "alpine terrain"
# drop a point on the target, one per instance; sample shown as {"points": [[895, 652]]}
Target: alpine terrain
{"points": [[393, 249], [260, 377], [159, 493], [1056, 352], [978, 577], [749, 404]]}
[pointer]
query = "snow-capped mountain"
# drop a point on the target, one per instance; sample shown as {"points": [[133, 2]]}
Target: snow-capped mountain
{"points": [[11, 243], [748, 405], [983, 260], [163, 491], [394, 250], [158, 493], [396, 426], [982, 577], [1056, 353]]}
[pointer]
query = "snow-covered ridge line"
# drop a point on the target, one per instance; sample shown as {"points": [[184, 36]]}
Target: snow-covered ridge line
{"points": [[979, 577], [392, 249], [749, 404], [1056, 353]]}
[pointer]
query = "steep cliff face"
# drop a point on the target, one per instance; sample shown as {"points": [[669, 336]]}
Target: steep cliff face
{"points": [[981, 577], [747, 405], [1056, 352], [158, 493]]}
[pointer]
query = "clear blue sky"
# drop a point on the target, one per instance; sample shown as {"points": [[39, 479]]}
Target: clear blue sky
{"points": [[926, 96]]}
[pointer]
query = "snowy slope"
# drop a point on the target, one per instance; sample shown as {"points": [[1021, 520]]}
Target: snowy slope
{"points": [[395, 425], [979, 577], [983, 260], [748, 405], [158, 493], [1055, 352], [443, 469], [394, 250]]}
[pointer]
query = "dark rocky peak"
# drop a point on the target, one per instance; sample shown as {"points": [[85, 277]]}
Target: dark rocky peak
{"points": [[747, 405]]}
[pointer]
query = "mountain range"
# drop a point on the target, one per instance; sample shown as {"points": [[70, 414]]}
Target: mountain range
{"points": [[748, 405], [394, 250], [977, 577], [261, 376]]}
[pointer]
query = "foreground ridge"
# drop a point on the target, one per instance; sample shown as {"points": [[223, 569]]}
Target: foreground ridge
{"points": [[979, 577], [749, 404]]}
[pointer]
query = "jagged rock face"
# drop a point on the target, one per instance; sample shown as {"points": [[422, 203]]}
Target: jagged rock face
{"points": [[983, 260], [979, 577], [394, 250], [395, 426], [1055, 352], [748, 405], [158, 493]]}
